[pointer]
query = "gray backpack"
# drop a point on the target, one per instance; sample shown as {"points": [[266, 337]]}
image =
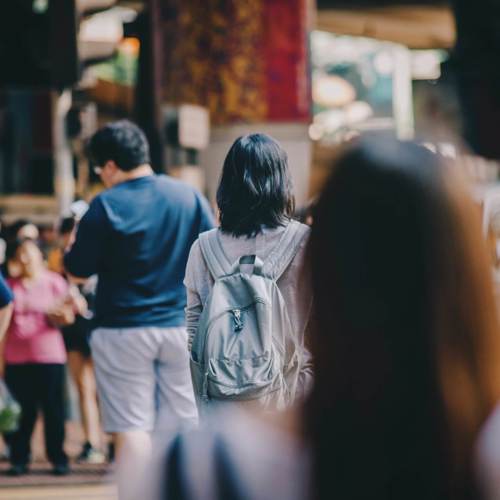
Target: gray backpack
{"points": [[244, 347]]}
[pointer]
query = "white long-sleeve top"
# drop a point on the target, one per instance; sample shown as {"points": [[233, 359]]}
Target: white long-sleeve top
{"points": [[293, 284]]}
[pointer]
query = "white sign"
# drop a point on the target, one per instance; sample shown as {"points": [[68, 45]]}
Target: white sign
{"points": [[194, 126]]}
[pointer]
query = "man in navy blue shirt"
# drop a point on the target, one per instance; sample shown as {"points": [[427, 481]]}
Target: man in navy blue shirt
{"points": [[136, 237]]}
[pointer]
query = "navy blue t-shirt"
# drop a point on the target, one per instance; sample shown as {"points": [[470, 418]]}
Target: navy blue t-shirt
{"points": [[6, 296], [136, 237]]}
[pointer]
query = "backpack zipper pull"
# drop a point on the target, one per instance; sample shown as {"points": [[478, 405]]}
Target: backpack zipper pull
{"points": [[238, 323]]}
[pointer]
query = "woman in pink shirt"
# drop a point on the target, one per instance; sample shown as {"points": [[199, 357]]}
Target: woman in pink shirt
{"points": [[35, 355]]}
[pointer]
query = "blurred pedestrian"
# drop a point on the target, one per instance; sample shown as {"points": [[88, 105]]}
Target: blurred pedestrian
{"points": [[304, 214], [76, 340], [490, 209], [3, 245], [35, 355], [23, 229], [406, 348], [136, 237], [48, 238], [6, 307], [20, 229], [56, 253], [253, 262], [6, 298]]}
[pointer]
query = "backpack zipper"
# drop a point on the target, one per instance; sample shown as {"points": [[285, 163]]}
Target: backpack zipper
{"points": [[238, 323], [257, 300]]}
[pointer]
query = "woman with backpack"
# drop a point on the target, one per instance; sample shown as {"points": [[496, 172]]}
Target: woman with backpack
{"points": [[406, 351], [246, 310]]}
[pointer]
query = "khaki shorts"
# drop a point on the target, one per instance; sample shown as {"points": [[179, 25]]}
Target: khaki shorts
{"points": [[143, 378]]}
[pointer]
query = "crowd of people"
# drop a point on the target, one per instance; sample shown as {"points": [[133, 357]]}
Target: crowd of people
{"points": [[48, 322], [245, 355]]}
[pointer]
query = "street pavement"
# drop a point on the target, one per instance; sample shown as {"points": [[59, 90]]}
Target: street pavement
{"points": [[93, 482], [82, 492]]}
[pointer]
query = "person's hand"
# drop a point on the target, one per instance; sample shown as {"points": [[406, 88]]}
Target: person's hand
{"points": [[63, 315], [77, 301]]}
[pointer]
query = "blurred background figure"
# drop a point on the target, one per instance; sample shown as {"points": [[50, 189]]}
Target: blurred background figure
{"points": [[490, 207], [304, 213], [48, 237], [6, 299], [24, 229], [19, 230], [6, 306], [55, 255], [406, 349], [3, 244], [34, 354], [65, 236], [76, 339]]}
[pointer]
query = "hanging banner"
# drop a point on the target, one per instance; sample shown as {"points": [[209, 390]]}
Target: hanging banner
{"points": [[244, 61]]}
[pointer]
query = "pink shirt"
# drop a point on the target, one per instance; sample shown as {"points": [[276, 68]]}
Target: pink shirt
{"points": [[31, 338]]}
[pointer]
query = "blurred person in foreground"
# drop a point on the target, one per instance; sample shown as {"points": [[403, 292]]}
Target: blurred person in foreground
{"points": [[406, 348], [136, 237], [34, 354]]}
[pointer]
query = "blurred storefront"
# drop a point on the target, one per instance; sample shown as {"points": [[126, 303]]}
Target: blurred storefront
{"points": [[195, 75], [377, 69], [53, 92]]}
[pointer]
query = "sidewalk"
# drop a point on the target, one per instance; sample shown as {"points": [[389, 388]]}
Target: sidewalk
{"points": [[103, 492], [85, 481]]}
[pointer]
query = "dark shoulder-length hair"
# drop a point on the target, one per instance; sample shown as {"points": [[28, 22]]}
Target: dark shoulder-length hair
{"points": [[255, 189], [405, 336]]}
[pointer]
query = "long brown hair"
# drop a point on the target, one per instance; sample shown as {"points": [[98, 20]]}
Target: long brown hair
{"points": [[406, 340]]}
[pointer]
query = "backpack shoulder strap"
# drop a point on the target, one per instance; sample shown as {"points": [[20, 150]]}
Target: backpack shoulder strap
{"points": [[213, 253], [284, 252]]}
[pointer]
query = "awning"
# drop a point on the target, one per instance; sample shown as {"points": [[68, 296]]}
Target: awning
{"points": [[418, 27]]}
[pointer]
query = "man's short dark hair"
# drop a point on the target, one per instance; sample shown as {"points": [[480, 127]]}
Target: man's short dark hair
{"points": [[255, 188], [67, 225], [122, 142]]}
